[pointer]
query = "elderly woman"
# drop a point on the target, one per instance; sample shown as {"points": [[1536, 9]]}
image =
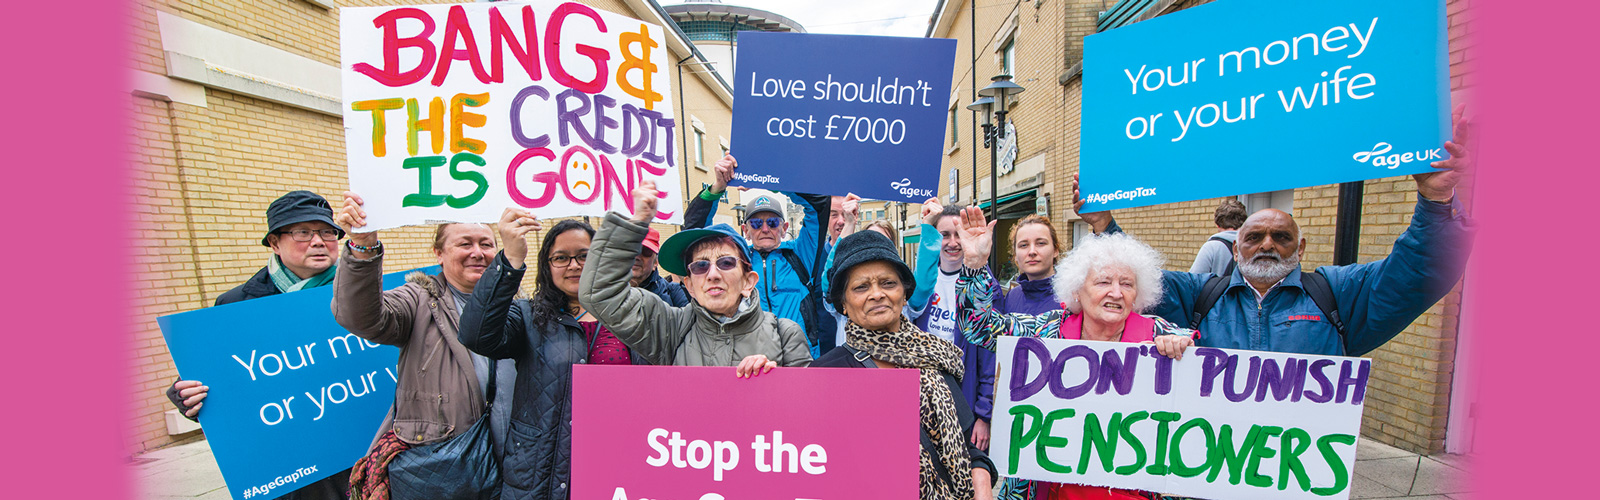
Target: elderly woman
{"points": [[1102, 284], [870, 283], [442, 386], [723, 324]]}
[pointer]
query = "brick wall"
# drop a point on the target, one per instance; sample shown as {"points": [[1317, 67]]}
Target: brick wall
{"points": [[1409, 392], [204, 176]]}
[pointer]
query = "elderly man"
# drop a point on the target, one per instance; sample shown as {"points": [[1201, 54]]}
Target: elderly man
{"points": [[646, 276], [1269, 304], [305, 245], [789, 284]]}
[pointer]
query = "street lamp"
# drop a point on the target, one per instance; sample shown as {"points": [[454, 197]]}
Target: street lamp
{"points": [[994, 98]]}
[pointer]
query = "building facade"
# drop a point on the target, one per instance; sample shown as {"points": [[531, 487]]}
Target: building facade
{"points": [[1415, 399], [237, 102]]}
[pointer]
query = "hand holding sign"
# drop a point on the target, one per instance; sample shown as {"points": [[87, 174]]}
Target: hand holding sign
{"points": [[931, 210], [193, 394], [515, 224], [352, 216], [1441, 186], [753, 365], [724, 168], [976, 237], [1097, 220], [645, 199]]}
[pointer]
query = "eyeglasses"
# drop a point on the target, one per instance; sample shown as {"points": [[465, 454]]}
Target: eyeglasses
{"points": [[303, 235], [772, 222], [566, 260], [725, 263]]}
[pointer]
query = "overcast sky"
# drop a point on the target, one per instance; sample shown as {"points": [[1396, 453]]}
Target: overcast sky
{"points": [[856, 17]]}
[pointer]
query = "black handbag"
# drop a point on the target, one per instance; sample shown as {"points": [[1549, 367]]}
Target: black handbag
{"points": [[462, 467]]}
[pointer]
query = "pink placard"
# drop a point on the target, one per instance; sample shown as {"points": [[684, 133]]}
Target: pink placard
{"points": [[847, 433]]}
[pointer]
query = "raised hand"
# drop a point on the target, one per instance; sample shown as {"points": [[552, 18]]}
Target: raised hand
{"points": [[1098, 220], [976, 238], [931, 210], [645, 198], [724, 170], [351, 216], [515, 224], [1440, 186]]}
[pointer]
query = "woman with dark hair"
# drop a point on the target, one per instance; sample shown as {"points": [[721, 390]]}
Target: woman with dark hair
{"points": [[723, 325], [870, 283], [546, 335]]}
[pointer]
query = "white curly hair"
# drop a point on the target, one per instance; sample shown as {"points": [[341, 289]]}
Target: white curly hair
{"points": [[1102, 250]]}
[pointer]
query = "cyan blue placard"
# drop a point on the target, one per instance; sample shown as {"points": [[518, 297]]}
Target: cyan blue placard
{"points": [[1247, 96], [310, 401], [838, 114]]}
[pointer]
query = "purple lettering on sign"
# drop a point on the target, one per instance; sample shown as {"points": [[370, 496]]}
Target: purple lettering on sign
{"points": [[1210, 368], [1323, 384], [1118, 371], [1078, 351], [1228, 383], [1022, 358], [1359, 381]]}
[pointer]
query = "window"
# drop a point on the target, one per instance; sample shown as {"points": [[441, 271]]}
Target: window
{"points": [[879, 216], [700, 148], [1008, 57], [1281, 200], [1080, 229], [954, 137]]}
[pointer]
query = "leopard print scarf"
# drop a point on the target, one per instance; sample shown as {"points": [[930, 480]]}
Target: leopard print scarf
{"points": [[912, 348]]}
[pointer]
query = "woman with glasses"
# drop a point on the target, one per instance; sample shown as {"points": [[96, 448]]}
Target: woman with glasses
{"points": [[723, 325], [546, 335]]}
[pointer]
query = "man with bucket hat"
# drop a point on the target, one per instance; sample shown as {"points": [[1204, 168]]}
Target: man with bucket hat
{"points": [[305, 247]]}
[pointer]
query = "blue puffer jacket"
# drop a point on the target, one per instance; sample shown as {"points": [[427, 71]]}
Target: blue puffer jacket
{"points": [[1376, 299], [782, 292]]}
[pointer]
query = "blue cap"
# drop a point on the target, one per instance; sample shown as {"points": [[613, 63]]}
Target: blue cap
{"points": [[765, 203], [672, 256]]}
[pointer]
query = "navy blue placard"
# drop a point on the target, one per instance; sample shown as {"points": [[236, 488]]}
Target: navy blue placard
{"points": [[1381, 105], [275, 426], [838, 114]]}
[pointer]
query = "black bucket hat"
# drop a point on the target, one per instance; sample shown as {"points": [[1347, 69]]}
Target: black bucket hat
{"points": [[297, 207], [858, 248]]}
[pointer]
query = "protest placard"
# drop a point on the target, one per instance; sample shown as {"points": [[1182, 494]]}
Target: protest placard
{"points": [[700, 433], [1220, 423], [294, 397], [454, 112], [1249, 96], [807, 120]]}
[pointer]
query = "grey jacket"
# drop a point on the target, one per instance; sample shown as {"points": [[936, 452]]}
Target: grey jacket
{"points": [[666, 335]]}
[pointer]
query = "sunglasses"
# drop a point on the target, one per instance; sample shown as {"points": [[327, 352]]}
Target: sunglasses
{"points": [[725, 263], [773, 223]]}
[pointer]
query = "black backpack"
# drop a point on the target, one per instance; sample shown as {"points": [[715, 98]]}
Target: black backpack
{"points": [[820, 326], [1314, 283]]}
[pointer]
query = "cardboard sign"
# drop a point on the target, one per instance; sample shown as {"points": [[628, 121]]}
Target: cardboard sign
{"points": [[1249, 96], [1221, 423], [294, 398], [806, 119], [700, 433], [454, 112]]}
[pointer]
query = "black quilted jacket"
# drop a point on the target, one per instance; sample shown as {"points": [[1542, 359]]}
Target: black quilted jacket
{"points": [[538, 458]]}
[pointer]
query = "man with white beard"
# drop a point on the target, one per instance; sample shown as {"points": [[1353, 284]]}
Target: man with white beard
{"points": [[1269, 304]]}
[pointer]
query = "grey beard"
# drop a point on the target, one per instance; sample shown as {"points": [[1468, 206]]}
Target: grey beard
{"points": [[1269, 270]]}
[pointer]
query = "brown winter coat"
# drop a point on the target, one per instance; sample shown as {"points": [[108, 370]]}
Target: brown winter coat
{"points": [[438, 395]]}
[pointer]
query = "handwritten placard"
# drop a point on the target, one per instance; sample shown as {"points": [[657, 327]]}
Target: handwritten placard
{"points": [[454, 112], [1220, 423]]}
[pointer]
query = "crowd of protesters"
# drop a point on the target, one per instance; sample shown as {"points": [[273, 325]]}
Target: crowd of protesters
{"points": [[834, 296]]}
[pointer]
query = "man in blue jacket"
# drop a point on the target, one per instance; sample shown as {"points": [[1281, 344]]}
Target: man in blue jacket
{"points": [[789, 283], [1268, 303]]}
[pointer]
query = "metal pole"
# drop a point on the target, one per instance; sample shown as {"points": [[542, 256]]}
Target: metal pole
{"points": [[994, 181], [1347, 224], [972, 47]]}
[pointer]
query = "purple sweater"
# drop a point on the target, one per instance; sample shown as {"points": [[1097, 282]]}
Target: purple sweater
{"points": [[1030, 297]]}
